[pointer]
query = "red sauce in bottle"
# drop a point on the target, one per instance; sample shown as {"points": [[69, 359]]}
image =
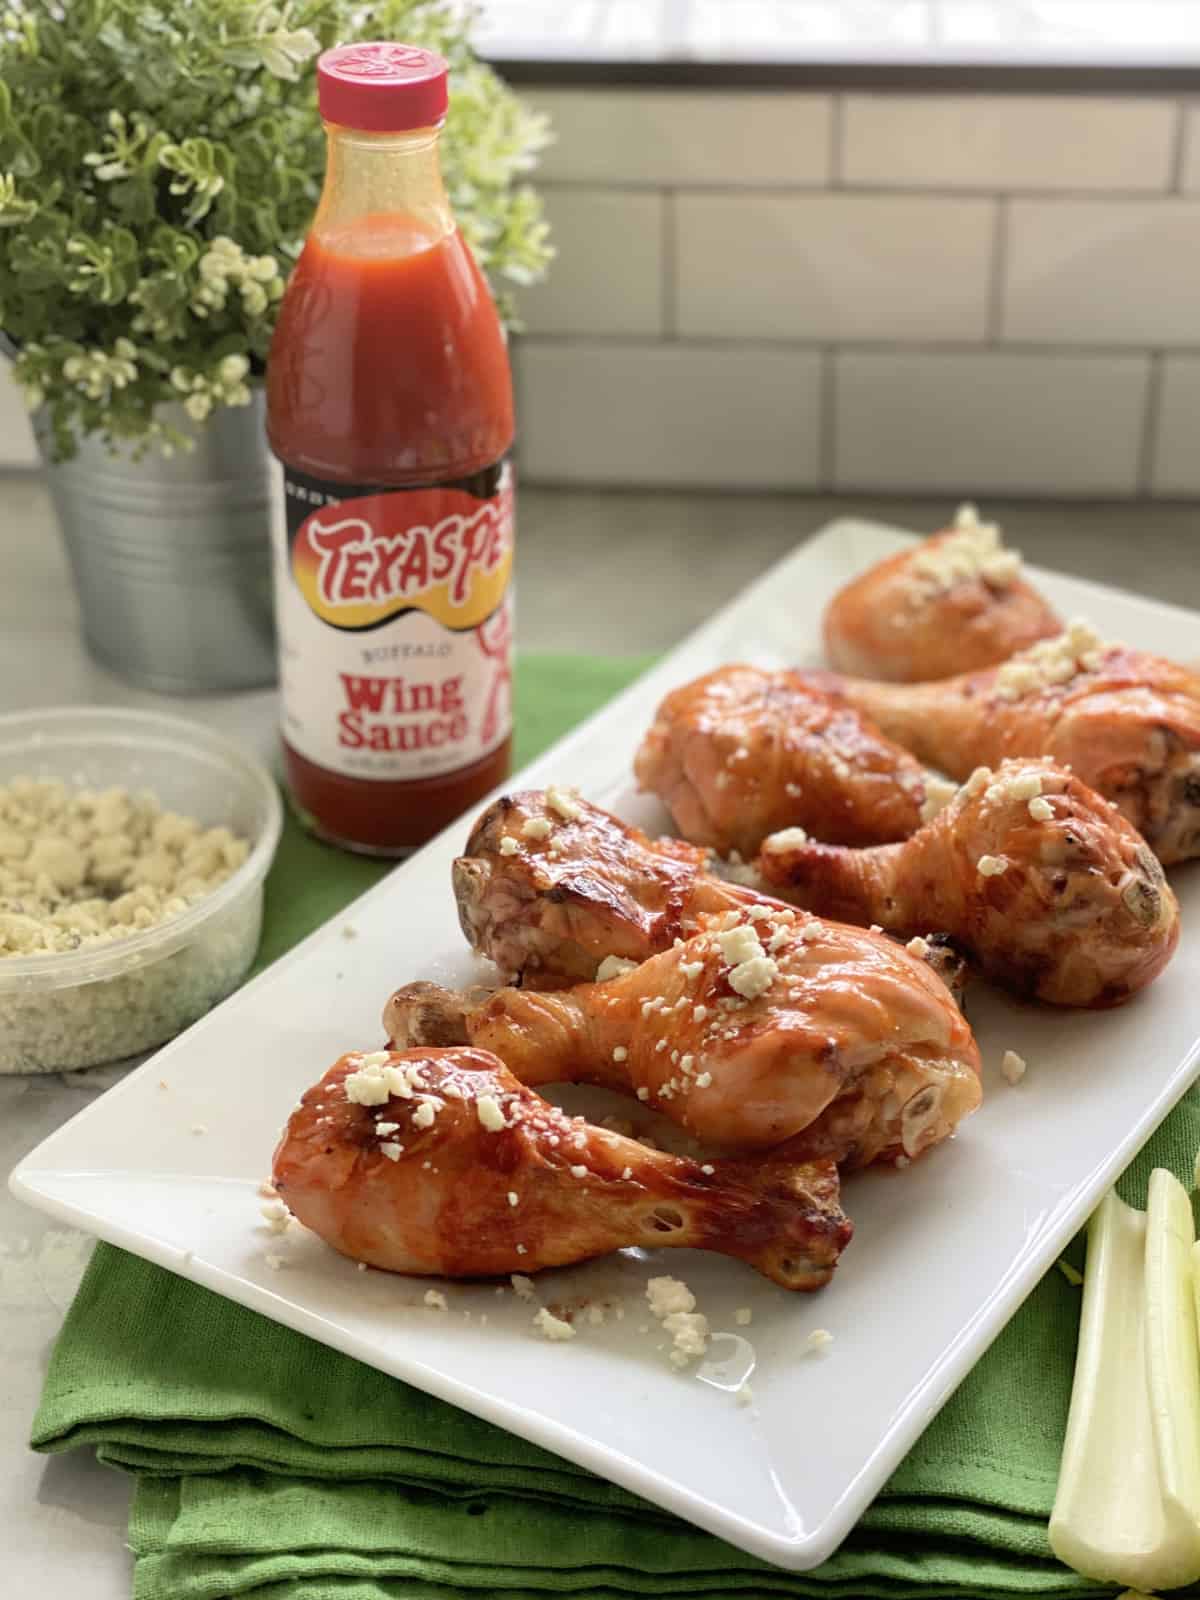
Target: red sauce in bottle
{"points": [[389, 405]]}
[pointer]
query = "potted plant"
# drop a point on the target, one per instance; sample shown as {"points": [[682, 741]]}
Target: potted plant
{"points": [[159, 164]]}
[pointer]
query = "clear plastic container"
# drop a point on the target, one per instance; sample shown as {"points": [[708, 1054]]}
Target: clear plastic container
{"points": [[107, 1001]]}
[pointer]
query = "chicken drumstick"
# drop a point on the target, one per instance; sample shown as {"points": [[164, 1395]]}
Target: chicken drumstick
{"points": [[741, 752], [551, 887], [769, 1028], [1126, 722], [442, 1163], [1043, 882], [955, 603]]}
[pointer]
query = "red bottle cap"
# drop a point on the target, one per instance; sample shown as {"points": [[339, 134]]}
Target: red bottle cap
{"points": [[381, 87]]}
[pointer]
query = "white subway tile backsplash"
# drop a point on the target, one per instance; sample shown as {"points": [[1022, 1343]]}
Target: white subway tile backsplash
{"points": [[607, 275], [668, 415], [1103, 272], [1175, 467], [989, 422], [17, 448], [833, 266], [685, 136], [1007, 141]]}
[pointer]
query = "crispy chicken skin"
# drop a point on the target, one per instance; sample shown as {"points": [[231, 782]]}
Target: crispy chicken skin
{"points": [[547, 905], [385, 1183], [548, 910], [846, 1046], [1045, 885], [955, 603], [1127, 723], [742, 752]]}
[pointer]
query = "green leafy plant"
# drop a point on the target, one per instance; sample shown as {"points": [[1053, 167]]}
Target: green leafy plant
{"points": [[159, 163]]}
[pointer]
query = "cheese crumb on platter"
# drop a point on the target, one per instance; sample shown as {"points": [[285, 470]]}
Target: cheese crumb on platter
{"points": [[552, 1327], [819, 1339], [435, 1300], [1012, 1066]]}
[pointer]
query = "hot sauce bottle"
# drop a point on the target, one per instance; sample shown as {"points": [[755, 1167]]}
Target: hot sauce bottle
{"points": [[389, 407]]}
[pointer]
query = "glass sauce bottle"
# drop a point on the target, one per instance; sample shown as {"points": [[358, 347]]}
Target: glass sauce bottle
{"points": [[389, 406]]}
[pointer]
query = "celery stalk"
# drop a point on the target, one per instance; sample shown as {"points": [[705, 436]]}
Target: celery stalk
{"points": [[1128, 1504]]}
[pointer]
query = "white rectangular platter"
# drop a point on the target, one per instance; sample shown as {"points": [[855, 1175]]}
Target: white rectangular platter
{"points": [[942, 1256]]}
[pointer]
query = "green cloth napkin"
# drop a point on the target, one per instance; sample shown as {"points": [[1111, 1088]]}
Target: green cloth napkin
{"points": [[272, 1467]]}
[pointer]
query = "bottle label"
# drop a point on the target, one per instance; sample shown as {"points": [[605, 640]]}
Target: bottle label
{"points": [[394, 613]]}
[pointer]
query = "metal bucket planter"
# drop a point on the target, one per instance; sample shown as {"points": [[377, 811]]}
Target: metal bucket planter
{"points": [[171, 556]]}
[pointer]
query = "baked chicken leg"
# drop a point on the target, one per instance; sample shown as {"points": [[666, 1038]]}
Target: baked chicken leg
{"points": [[549, 886], [552, 887], [1126, 722], [955, 603], [742, 752], [1051, 891], [442, 1163], [769, 1029]]}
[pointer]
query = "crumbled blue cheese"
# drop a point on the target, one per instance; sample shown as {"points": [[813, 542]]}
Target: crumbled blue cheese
{"points": [[1050, 662], [614, 967], [276, 1216], [552, 1327], [786, 839], [973, 550], [620, 1053], [1012, 1066], [992, 866], [391, 1150], [938, 794], [1040, 809], [565, 802], [918, 947], [487, 1109], [81, 867], [509, 846], [535, 828], [425, 1114]]}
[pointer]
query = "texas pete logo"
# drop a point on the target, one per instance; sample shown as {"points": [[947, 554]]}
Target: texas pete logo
{"points": [[437, 550]]}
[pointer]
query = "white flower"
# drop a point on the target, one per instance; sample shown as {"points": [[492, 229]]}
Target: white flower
{"points": [[198, 406]]}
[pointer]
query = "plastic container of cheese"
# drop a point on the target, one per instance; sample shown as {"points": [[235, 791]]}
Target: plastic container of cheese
{"points": [[106, 1001]]}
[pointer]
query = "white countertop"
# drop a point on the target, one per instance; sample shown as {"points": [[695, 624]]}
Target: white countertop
{"points": [[64, 1517]]}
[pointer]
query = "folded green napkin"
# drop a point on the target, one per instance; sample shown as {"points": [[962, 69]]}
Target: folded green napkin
{"points": [[271, 1467]]}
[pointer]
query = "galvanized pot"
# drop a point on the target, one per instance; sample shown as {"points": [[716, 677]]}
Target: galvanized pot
{"points": [[171, 556]]}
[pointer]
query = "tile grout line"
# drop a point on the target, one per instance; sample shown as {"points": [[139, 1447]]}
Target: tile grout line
{"points": [[837, 142], [668, 287], [827, 421], [997, 275], [728, 189], [1149, 441], [1060, 349], [1178, 149]]}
